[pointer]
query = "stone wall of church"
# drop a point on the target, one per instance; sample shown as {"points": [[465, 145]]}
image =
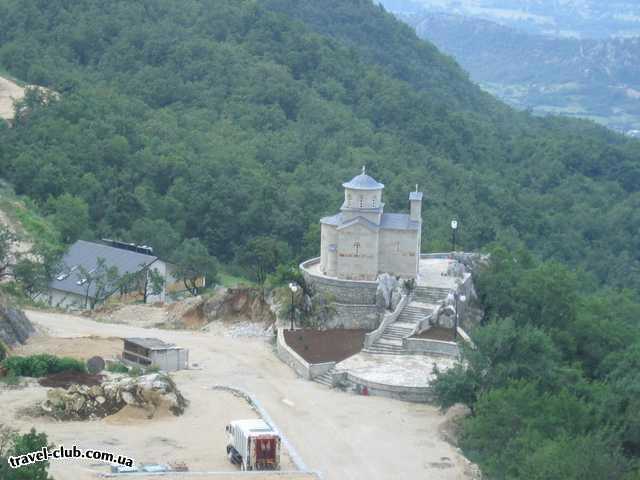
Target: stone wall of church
{"points": [[357, 253], [398, 252]]}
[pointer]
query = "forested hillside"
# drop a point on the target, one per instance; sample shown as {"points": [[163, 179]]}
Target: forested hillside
{"points": [[591, 78], [230, 120], [236, 121]]}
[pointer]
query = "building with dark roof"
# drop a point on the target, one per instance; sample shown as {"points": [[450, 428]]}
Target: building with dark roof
{"points": [[77, 284], [362, 241]]}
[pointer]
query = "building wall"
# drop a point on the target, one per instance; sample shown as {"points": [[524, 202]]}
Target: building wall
{"points": [[357, 253], [369, 199], [398, 255], [65, 300], [328, 250], [171, 359]]}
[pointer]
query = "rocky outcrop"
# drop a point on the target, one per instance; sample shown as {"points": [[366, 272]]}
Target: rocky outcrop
{"points": [[79, 402], [389, 292], [238, 303], [15, 327]]}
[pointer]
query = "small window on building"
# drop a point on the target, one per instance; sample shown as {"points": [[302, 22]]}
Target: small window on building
{"points": [[361, 201], [373, 202], [348, 199], [356, 246]]}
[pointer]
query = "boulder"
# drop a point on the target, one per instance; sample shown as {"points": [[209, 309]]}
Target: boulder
{"points": [[15, 327], [388, 286]]}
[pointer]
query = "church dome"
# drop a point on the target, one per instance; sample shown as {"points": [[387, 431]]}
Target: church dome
{"points": [[363, 182]]}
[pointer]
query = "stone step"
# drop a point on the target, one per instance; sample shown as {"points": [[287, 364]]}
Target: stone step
{"points": [[384, 351], [325, 379], [399, 330], [389, 341], [407, 325]]}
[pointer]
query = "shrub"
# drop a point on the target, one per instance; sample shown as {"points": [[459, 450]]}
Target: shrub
{"points": [[41, 365], [117, 368]]}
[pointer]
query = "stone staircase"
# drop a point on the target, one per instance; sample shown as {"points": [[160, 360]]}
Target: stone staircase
{"points": [[423, 303], [325, 379], [431, 295], [390, 343]]}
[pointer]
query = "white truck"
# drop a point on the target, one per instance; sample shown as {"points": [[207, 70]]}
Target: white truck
{"points": [[253, 445]]}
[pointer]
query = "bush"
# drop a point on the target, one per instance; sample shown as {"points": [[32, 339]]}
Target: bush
{"points": [[41, 365], [117, 368]]}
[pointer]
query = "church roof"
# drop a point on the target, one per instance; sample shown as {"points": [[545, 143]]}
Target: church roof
{"points": [[398, 221], [389, 221], [363, 182]]}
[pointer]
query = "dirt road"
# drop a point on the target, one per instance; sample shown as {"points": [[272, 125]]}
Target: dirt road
{"points": [[345, 437]]}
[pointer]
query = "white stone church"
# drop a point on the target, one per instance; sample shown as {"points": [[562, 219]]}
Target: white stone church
{"points": [[362, 241]]}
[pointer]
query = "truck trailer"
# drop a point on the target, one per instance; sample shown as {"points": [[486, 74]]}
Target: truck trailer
{"points": [[253, 445]]}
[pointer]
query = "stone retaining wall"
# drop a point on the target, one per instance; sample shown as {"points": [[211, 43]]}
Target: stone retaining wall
{"points": [[303, 368], [354, 301], [433, 347], [352, 317], [349, 292], [407, 394]]}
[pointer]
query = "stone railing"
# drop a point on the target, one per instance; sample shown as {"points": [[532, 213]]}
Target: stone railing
{"points": [[303, 368], [435, 347], [421, 346], [372, 337]]}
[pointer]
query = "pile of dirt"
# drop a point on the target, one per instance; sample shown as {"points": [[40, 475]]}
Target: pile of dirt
{"points": [[155, 394], [186, 314], [242, 303], [317, 346], [66, 379]]}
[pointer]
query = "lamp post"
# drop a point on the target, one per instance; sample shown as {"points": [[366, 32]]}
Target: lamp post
{"points": [[454, 228], [294, 288]]}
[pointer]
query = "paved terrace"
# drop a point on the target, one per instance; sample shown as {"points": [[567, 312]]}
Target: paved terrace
{"points": [[410, 371], [432, 272]]}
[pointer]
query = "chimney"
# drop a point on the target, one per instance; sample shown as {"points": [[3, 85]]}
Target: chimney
{"points": [[415, 198]]}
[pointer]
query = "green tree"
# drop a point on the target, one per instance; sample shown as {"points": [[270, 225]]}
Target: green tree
{"points": [[7, 242], [69, 215], [503, 352], [32, 276], [193, 263], [98, 283], [262, 255], [13, 444]]}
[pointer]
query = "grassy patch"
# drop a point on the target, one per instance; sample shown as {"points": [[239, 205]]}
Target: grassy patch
{"points": [[228, 280], [41, 365]]}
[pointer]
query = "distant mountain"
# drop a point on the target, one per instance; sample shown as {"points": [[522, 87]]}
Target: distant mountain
{"points": [[568, 18], [591, 78]]}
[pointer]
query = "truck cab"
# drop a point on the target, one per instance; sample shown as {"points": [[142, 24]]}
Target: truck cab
{"points": [[253, 444]]}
